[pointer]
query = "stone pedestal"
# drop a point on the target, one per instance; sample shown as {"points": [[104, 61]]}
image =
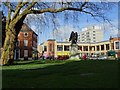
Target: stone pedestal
{"points": [[74, 54]]}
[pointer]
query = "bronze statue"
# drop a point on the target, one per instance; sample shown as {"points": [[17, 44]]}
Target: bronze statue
{"points": [[73, 38]]}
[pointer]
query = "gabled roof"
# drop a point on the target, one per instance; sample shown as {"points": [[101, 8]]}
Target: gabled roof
{"points": [[51, 40], [26, 28]]}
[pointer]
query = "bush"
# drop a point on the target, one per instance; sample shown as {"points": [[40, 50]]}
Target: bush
{"points": [[63, 57]]}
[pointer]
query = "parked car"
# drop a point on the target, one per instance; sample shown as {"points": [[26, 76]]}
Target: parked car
{"points": [[93, 58], [102, 57]]}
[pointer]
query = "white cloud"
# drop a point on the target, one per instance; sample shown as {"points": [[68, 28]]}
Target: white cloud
{"points": [[63, 32], [110, 29]]}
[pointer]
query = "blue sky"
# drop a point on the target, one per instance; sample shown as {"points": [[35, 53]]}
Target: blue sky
{"points": [[65, 26]]}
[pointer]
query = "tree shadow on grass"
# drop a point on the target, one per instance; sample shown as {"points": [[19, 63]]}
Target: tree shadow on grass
{"points": [[68, 75], [35, 62], [28, 62]]}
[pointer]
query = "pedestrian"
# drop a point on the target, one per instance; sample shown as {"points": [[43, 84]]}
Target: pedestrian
{"points": [[52, 56], [43, 55], [84, 56]]}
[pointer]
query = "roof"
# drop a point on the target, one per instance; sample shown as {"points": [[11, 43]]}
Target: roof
{"points": [[63, 42], [85, 42], [42, 43], [26, 28], [115, 37], [51, 40]]}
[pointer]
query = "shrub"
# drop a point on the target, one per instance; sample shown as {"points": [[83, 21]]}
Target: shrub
{"points": [[63, 57]]}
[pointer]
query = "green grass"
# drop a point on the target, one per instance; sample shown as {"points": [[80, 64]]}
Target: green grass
{"points": [[61, 74]]}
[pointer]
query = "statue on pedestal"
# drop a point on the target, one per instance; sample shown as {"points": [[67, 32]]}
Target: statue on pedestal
{"points": [[73, 38], [74, 47]]}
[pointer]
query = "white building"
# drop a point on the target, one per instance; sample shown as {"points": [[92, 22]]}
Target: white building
{"points": [[91, 34]]}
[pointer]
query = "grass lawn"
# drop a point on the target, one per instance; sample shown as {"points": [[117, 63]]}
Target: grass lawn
{"points": [[61, 74]]}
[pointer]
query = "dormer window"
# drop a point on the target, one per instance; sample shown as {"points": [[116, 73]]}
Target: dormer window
{"points": [[25, 34]]}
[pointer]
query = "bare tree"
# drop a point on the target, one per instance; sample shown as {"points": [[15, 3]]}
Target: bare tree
{"points": [[18, 11]]}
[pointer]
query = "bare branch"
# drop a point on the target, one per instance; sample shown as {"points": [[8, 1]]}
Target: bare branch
{"points": [[18, 7], [81, 7], [52, 10], [29, 7], [89, 13], [8, 5]]}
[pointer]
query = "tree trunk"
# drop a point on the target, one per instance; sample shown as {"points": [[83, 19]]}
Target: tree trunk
{"points": [[12, 30], [8, 49]]}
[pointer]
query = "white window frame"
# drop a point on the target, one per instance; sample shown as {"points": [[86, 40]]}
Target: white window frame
{"points": [[25, 43], [115, 45], [25, 35], [60, 46]]}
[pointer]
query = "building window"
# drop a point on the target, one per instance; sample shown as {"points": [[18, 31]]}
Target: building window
{"points": [[25, 42], [59, 47], [80, 48], [45, 48], [85, 48], [66, 48], [102, 47], [92, 48], [87, 33], [93, 37], [93, 31], [117, 45], [25, 53], [98, 48], [107, 46], [83, 34], [25, 34]]}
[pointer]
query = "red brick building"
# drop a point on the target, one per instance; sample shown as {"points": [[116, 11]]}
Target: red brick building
{"points": [[26, 46], [115, 44]]}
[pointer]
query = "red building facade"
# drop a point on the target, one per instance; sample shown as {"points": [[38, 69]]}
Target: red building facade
{"points": [[26, 46]]}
